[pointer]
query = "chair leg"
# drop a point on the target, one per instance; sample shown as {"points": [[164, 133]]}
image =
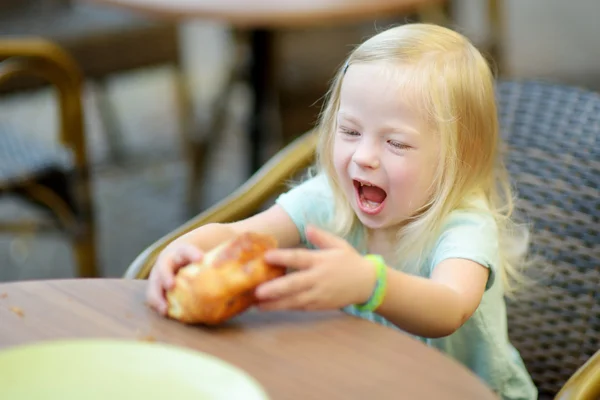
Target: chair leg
{"points": [[191, 146], [84, 248], [496, 23], [110, 123], [77, 220], [197, 147], [84, 240], [197, 154]]}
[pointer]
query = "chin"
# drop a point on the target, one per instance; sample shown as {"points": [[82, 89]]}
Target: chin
{"points": [[374, 225], [370, 221], [376, 222]]}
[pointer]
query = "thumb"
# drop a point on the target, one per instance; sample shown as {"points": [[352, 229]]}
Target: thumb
{"points": [[323, 239]]}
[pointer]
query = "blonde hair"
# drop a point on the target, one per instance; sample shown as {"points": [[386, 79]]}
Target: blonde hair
{"points": [[454, 85]]}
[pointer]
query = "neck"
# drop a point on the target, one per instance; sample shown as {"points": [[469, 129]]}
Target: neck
{"points": [[381, 235]]}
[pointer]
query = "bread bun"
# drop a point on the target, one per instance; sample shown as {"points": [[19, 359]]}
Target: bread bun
{"points": [[222, 285]]}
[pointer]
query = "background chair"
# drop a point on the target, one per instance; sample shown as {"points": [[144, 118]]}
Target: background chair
{"points": [[54, 179], [104, 41], [552, 133], [553, 138]]}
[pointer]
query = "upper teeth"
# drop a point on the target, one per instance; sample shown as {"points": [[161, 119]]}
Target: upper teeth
{"points": [[365, 184]]}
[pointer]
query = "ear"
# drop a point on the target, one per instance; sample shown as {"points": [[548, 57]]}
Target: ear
{"points": [[323, 239]]}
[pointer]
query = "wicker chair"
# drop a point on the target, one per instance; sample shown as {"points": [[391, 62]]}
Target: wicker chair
{"points": [[552, 133], [53, 178], [553, 138]]}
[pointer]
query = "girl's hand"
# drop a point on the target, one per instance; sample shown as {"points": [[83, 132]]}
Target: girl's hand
{"points": [[333, 276], [170, 260]]}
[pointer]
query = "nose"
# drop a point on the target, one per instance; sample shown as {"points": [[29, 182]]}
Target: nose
{"points": [[366, 155]]}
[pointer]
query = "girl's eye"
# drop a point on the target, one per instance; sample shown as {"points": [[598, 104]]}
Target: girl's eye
{"points": [[349, 132], [398, 145]]}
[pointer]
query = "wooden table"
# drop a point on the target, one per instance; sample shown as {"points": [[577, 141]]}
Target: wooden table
{"points": [[324, 355], [259, 19]]}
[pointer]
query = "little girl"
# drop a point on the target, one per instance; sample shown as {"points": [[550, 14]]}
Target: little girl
{"points": [[406, 221]]}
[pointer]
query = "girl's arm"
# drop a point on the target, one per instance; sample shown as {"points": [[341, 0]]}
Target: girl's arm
{"points": [[274, 221], [437, 306], [185, 249], [336, 275]]}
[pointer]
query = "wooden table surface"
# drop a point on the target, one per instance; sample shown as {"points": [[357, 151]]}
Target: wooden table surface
{"points": [[317, 355], [273, 14]]}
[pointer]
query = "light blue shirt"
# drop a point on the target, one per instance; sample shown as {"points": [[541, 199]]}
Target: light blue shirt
{"points": [[482, 343]]}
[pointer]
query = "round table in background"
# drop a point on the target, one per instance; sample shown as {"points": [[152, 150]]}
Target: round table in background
{"points": [[259, 19]]}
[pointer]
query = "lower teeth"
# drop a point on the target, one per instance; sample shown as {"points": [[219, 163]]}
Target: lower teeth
{"points": [[372, 204], [369, 203]]}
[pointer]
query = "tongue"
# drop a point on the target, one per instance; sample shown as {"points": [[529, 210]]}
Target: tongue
{"points": [[373, 194]]}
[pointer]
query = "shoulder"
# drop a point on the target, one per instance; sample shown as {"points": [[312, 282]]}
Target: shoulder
{"points": [[474, 218], [468, 221], [313, 191], [310, 184], [470, 234], [310, 201]]}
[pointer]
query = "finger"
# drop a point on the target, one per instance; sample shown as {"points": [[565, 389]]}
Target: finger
{"points": [[285, 286], [155, 297], [291, 258], [299, 301], [166, 274], [323, 239], [186, 254], [169, 264]]}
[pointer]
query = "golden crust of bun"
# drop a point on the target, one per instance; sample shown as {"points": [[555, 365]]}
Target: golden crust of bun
{"points": [[222, 285]]}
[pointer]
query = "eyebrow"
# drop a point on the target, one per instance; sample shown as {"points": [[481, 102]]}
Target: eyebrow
{"points": [[348, 117], [401, 130]]}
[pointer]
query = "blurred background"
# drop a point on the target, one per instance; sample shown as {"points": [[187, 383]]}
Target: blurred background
{"points": [[141, 70]]}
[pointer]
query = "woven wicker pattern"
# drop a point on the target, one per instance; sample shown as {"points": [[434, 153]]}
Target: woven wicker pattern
{"points": [[553, 135], [22, 158]]}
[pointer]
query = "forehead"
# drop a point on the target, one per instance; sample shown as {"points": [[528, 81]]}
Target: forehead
{"points": [[380, 92], [382, 88]]}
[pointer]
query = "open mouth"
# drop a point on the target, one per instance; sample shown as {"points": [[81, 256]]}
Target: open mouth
{"points": [[370, 197]]}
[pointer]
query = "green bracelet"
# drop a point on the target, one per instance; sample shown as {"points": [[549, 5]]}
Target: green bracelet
{"points": [[380, 285]]}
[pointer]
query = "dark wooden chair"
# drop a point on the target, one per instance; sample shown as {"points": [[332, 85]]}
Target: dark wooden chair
{"points": [[104, 41], [55, 179]]}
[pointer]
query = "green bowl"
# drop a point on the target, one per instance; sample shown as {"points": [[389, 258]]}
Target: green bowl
{"points": [[116, 369]]}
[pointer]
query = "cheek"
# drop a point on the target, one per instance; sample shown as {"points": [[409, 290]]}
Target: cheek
{"points": [[411, 181], [403, 180], [341, 155]]}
